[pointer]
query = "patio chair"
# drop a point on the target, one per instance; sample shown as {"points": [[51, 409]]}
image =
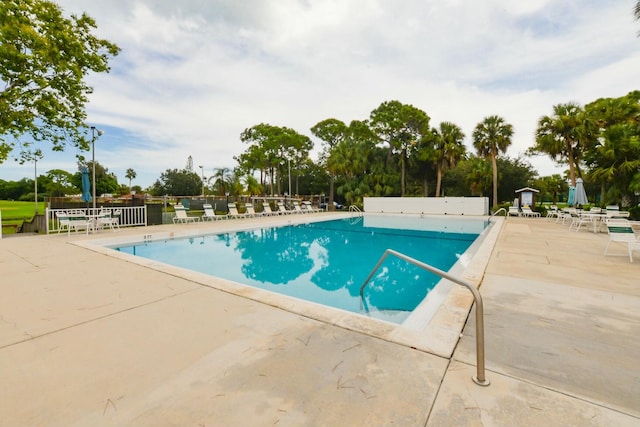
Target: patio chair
{"points": [[182, 217], [309, 208], [251, 212], [579, 220], [266, 210], [209, 214], [233, 211], [75, 221], [297, 209], [514, 211], [526, 211], [109, 219], [282, 210], [620, 231]]}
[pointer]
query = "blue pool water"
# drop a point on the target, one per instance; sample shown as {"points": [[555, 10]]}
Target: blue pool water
{"points": [[327, 262]]}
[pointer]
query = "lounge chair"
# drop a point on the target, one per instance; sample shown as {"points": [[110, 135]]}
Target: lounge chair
{"points": [[514, 211], [296, 208], [620, 231], [233, 211], [526, 211], [266, 210], [181, 215], [282, 210], [209, 214], [251, 212], [306, 205]]}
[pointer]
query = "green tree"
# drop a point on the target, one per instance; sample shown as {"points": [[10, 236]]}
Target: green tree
{"points": [[490, 138], [44, 60], [272, 148], [130, 174], [563, 136], [449, 149], [331, 132], [613, 158], [401, 127], [60, 183], [221, 181], [176, 182], [106, 182]]}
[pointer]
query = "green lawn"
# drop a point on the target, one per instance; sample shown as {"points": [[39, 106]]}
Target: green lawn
{"points": [[14, 213]]}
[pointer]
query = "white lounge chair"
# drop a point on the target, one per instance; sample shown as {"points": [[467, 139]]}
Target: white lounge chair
{"points": [[209, 214], [526, 211], [620, 231], [514, 211], [251, 212], [182, 217], [266, 210], [233, 211], [309, 208], [282, 210], [296, 208]]}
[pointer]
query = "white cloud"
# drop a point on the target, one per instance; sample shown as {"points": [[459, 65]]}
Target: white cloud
{"points": [[193, 74]]}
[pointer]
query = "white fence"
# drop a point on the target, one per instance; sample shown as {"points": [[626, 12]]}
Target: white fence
{"points": [[428, 205], [129, 216]]}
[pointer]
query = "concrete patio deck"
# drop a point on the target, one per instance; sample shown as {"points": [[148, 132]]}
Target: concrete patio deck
{"points": [[87, 339]]}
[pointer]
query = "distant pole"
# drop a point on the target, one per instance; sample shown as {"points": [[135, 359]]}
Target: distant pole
{"points": [[94, 131], [289, 161], [35, 174]]}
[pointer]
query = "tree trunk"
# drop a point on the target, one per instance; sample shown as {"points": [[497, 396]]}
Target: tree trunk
{"points": [[494, 165], [438, 181]]}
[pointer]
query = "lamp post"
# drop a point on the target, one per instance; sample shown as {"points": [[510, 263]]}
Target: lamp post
{"points": [[133, 198], [202, 172], [35, 175], [289, 163], [227, 194], [94, 131]]}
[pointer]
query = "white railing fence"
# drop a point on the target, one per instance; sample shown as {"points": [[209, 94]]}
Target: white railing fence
{"points": [[129, 216]]}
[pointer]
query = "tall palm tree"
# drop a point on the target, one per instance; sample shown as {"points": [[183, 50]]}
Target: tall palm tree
{"points": [[130, 174], [563, 136], [491, 137], [449, 149]]}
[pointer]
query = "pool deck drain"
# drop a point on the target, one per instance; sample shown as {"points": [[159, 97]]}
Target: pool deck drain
{"points": [[93, 340]]}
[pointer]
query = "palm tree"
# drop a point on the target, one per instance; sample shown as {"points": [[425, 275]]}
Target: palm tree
{"points": [[490, 138], [131, 174], [563, 136], [449, 148], [222, 180]]}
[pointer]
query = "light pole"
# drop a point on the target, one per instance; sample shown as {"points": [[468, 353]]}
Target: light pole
{"points": [[35, 174], [202, 172], [289, 162], [94, 131]]}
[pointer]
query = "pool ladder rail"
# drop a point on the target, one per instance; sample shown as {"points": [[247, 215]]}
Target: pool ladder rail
{"points": [[353, 209], [479, 378]]}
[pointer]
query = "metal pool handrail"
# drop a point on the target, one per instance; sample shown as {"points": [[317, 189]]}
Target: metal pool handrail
{"points": [[479, 378], [498, 211]]}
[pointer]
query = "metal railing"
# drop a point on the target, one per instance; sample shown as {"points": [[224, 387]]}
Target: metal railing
{"points": [[135, 216], [479, 378], [356, 210], [500, 210]]}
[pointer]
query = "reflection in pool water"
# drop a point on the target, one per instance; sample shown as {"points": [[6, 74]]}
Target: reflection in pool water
{"points": [[323, 262]]}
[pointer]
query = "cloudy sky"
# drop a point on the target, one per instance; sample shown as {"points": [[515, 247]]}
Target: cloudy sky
{"points": [[193, 74]]}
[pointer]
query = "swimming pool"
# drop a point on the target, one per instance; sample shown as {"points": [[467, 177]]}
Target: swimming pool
{"points": [[326, 262]]}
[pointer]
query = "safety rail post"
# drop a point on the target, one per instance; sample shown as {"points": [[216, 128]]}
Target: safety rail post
{"points": [[479, 378]]}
